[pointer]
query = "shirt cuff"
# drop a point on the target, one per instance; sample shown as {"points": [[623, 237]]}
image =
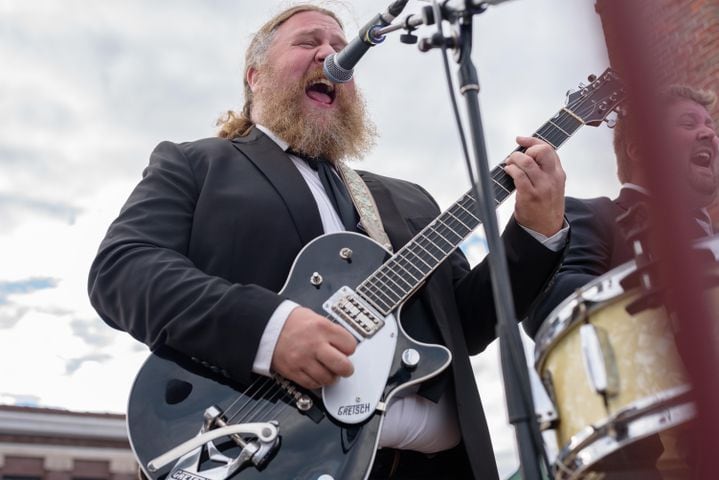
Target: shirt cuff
{"points": [[556, 242], [269, 338]]}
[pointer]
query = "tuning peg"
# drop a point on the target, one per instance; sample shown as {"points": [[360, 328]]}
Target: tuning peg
{"points": [[591, 78], [610, 121]]}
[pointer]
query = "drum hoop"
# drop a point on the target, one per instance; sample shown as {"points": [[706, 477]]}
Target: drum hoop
{"points": [[641, 419], [563, 318]]}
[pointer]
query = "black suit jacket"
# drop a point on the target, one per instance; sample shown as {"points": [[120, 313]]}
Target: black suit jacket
{"points": [[597, 245], [208, 236]]}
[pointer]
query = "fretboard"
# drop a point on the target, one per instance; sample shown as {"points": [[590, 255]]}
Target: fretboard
{"points": [[393, 282]]}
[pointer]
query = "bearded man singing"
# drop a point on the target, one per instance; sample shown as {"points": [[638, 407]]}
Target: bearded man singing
{"points": [[197, 259]]}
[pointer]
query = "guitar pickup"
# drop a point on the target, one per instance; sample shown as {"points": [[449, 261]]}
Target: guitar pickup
{"points": [[353, 313]]}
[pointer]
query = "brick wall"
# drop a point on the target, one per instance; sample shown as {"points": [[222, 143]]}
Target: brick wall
{"points": [[686, 39]]}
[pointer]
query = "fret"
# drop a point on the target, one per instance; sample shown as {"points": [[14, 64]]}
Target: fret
{"points": [[399, 276], [375, 296], [410, 273], [430, 254], [500, 185], [437, 232], [560, 128], [386, 291], [429, 241], [470, 213], [542, 138], [499, 194], [459, 220], [554, 137], [384, 308], [568, 123], [389, 277], [415, 260], [380, 288], [499, 175], [451, 229]]}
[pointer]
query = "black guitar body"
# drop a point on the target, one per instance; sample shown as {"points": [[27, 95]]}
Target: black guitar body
{"points": [[171, 392]]}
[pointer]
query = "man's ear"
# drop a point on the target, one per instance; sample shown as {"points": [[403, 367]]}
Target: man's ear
{"points": [[252, 77], [633, 152]]}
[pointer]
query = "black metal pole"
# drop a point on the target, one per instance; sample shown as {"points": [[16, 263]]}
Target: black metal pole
{"points": [[514, 365]]}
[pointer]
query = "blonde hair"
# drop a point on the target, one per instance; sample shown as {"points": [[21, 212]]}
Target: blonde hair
{"points": [[625, 130], [233, 124]]}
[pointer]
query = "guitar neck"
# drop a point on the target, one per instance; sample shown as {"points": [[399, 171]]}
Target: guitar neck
{"points": [[393, 282]]}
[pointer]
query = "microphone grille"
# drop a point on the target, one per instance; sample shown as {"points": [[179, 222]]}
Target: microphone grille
{"points": [[334, 72]]}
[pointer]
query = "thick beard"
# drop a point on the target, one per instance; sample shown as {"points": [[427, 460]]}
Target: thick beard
{"points": [[343, 132]]}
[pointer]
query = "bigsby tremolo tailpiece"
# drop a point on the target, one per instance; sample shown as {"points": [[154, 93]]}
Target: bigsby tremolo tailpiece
{"points": [[262, 440]]}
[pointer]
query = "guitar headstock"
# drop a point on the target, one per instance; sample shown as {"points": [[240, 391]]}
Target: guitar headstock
{"points": [[592, 103]]}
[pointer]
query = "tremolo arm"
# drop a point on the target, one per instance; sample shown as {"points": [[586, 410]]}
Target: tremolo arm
{"points": [[189, 452]]}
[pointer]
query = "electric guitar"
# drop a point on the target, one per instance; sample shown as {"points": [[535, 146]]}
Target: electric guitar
{"points": [[187, 421]]}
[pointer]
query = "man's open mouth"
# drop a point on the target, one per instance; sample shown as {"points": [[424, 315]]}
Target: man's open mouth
{"points": [[321, 90], [702, 157]]}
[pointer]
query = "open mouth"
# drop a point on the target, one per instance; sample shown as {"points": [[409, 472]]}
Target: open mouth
{"points": [[702, 158], [321, 90]]}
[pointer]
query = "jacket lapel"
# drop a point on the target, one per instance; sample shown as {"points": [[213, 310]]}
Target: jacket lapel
{"points": [[279, 170]]}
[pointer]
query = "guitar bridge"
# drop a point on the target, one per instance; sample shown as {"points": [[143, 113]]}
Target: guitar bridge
{"points": [[353, 313]]}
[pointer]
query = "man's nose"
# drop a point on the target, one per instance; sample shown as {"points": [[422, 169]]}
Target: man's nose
{"points": [[707, 132], [324, 51]]}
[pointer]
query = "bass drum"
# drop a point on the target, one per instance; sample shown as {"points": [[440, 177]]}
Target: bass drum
{"points": [[616, 381]]}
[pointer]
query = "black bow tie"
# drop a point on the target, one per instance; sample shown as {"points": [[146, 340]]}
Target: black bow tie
{"points": [[334, 188]]}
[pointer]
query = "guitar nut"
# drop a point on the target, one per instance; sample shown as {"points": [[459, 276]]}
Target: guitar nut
{"points": [[346, 253], [316, 279]]}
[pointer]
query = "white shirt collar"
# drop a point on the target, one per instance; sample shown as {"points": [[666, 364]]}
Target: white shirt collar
{"points": [[281, 143], [634, 186]]}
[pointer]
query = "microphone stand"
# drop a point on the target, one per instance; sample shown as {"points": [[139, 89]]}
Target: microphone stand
{"points": [[514, 365]]}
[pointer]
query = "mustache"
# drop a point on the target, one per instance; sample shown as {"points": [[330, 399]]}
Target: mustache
{"points": [[313, 76]]}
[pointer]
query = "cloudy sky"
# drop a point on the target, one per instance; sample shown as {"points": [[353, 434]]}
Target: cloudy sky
{"points": [[88, 88]]}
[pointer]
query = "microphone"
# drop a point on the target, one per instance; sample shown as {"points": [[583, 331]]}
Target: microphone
{"points": [[339, 67]]}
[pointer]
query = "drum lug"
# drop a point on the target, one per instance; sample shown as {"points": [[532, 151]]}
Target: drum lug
{"points": [[599, 361], [547, 416]]}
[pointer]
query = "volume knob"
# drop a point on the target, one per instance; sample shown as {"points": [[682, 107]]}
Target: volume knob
{"points": [[410, 358]]}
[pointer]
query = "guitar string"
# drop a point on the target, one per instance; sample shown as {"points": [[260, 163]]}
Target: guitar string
{"points": [[258, 384], [270, 405], [275, 392], [267, 384], [256, 412], [275, 388], [564, 121]]}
